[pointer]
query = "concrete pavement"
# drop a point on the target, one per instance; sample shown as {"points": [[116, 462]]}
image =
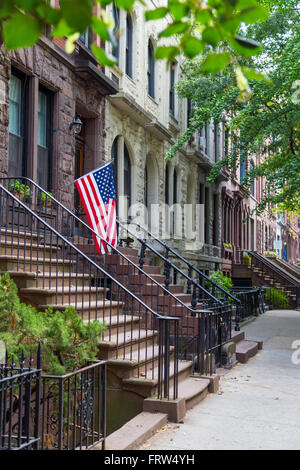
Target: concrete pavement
{"points": [[258, 405]]}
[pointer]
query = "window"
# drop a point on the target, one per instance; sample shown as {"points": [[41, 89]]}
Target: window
{"points": [[242, 168], [151, 70], [44, 161], [189, 112], [252, 185], [167, 185], [217, 141], [127, 176], [17, 132], [207, 138], [129, 42], [116, 16], [86, 38], [172, 91]]}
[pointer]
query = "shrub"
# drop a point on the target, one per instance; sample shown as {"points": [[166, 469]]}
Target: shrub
{"points": [[223, 281], [67, 342], [277, 298]]}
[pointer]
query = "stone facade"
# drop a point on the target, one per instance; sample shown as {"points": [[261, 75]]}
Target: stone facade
{"points": [[65, 78], [148, 128]]}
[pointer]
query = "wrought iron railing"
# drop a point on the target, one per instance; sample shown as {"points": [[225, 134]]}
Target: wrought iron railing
{"points": [[61, 274], [73, 409], [252, 301], [276, 278], [20, 386], [202, 288]]}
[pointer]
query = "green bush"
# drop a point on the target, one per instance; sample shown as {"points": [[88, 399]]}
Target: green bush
{"points": [[223, 281], [67, 342], [276, 298]]}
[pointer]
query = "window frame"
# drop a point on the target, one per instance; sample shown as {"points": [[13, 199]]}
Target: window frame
{"points": [[129, 47], [151, 70], [23, 121], [49, 134]]}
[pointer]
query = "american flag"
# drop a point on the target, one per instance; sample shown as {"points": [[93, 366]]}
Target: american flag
{"points": [[97, 193]]}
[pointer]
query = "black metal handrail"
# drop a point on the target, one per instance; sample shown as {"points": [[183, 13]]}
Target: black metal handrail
{"points": [[68, 279], [191, 268], [264, 261], [284, 280], [170, 299]]}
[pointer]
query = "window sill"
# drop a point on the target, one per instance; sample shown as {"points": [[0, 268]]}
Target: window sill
{"points": [[152, 99]]}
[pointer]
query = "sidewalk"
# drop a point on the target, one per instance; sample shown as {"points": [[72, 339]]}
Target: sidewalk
{"points": [[258, 406]]}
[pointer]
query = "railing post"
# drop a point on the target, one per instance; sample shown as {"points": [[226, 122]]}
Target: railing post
{"points": [[237, 318], [189, 282], [142, 253], [38, 397], [167, 271]]}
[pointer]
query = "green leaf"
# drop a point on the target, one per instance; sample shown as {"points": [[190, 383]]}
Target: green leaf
{"points": [[27, 5], [21, 31], [175, 28], [77, 13], [203, 16], [124, 4], [156, 14], [214, 63], [178, 10], [6, 8], [166, 52], [192, 47], [103, 3], [243, 4], [103, 58], [70, 42], [62, 30], [252, 74], [211, 36], [49, 14], [244, 46], [100, 28], [253, 15]]}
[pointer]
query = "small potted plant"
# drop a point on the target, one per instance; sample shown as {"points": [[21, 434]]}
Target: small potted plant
{"points": [[44, 199], [270, 254], [246, 258], [22, 191]]}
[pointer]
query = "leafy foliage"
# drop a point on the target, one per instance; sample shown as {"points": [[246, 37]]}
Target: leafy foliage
{"points": [[261, 115], [276, 298], [223, 281], [192, 25], [67, 342]]}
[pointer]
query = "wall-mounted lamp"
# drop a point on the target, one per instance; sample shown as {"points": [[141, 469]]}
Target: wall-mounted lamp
{"points": [[76, 125]]}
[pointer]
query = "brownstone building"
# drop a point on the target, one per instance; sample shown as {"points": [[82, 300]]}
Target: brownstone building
{"points": [[42, 91]]}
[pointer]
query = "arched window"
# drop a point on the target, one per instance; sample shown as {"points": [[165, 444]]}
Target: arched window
{"points": [[151, 70], [252, 186], [122, 175], [127, 176], [116, 17], [167, 185], [172, 91], [129, 43]]}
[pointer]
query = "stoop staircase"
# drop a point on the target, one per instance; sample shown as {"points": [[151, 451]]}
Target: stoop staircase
{"points": [[276, 274], [163, 340]]}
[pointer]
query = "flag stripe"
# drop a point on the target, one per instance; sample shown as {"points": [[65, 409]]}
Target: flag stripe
{"points": [[96, 190]]}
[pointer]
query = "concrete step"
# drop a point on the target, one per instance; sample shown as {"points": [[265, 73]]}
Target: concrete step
{"points": [[245, 350], [126, 344]]}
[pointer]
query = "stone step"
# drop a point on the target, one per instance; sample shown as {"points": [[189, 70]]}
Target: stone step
{"points": [[33, 264], [147, 387], [21, 235], [117, 324], [63, 295], [101, 310], [237, 336], [48, 280], [28, 249], [245, 350], [194, 390], [125, 345]]}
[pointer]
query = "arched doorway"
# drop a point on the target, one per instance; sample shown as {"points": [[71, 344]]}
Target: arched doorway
{"points": [[151, 191], [122, 171]]}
